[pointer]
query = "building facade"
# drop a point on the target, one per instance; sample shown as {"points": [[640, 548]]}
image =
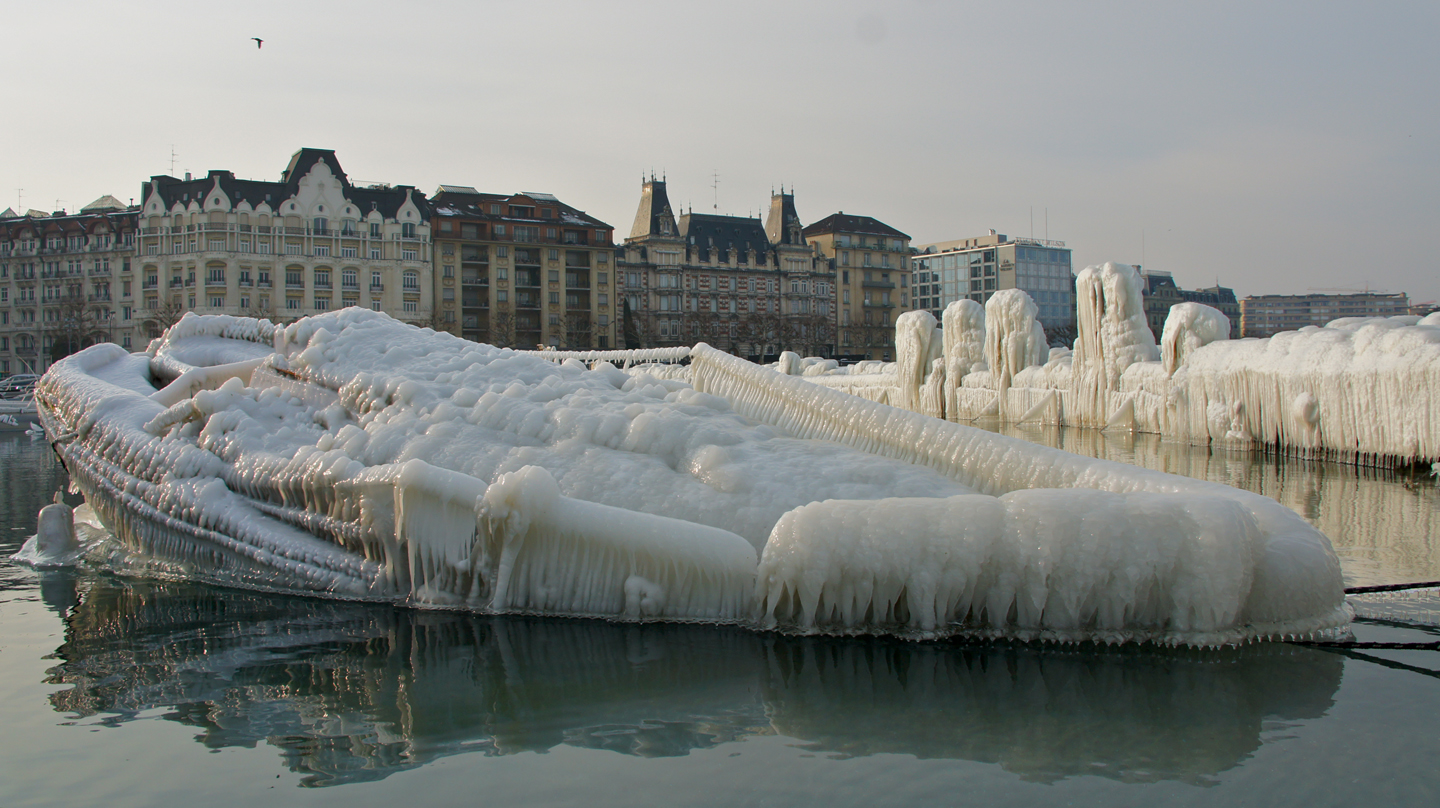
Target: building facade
{"points": [[743, 286], [66, 281], [1266, 315], [1161, 292], [871, 262], [976, 268], [522, 270], [309, 243]]}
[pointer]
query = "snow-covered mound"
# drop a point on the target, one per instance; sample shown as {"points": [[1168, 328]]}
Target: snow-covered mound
{"points": [[353, 456]]}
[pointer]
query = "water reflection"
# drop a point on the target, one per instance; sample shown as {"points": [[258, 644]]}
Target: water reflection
{"points": [[1384, 524], [352, 692]]}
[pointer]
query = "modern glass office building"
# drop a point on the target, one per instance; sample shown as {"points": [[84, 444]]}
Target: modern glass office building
{"points": [[976, 268]]}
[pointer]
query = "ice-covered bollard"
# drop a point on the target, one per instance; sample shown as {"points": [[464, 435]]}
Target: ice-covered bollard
{"points": [[55, 533]]}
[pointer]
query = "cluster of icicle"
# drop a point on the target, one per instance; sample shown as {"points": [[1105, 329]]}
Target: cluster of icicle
{"points": [[256, 474], [1359, 389]]}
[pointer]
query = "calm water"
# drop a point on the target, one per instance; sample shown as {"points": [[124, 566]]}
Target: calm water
{"points": [[126, 693]]}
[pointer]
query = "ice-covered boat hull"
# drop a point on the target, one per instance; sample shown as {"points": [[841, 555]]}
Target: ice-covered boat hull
{"points": [[353, 457]]}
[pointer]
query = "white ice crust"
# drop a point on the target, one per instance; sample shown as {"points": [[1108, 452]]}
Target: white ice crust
{"points": [[350, 455]]}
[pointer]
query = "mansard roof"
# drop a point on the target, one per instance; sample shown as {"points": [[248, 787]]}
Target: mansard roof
{"points": [[386, 200], [782, 226], [704, 230], [845, 223], [464, 201]]}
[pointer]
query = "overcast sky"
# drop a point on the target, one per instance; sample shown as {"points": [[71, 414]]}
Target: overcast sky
{"points": [[1274, 147]]}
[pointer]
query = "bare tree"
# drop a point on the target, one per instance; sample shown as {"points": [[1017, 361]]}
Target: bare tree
{"points": [[502, 328], [165, 314], [579, 330]]}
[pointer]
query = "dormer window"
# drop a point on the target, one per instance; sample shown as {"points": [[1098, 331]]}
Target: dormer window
{"points": [[407, 230]]}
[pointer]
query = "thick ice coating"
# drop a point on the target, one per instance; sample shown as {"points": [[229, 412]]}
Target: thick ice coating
{"points": [[353, 456]]}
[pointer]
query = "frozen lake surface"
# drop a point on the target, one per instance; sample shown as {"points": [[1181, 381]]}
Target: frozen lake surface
{"points": [[129, 693]]}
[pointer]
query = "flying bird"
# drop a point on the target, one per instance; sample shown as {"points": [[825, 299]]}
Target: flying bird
{"points": [[258, 42]]}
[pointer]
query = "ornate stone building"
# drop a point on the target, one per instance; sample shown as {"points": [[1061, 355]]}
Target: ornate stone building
{"points": [[66, 281], [282, 250], [741, 285], [522, 270]]}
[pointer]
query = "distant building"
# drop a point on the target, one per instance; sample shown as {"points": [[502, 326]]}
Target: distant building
{"points": [[309, 243], [522, 270], [976, 268], [1161, 292], [747, 287], [1266, 315], [871, 262], [66, 281]]}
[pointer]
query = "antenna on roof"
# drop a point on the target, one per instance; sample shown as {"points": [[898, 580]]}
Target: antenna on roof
{"points": [[716, 186], [172, 159]]}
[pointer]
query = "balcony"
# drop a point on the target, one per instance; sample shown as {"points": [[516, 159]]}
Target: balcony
{"points": [[377, 287], [877, 284]]}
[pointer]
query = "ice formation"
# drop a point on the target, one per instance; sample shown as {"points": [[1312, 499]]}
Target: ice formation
{"points": [[1360, 389], [353, 456]]}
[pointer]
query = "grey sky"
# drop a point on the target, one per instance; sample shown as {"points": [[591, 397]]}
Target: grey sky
{"points": [[1275, 147]]}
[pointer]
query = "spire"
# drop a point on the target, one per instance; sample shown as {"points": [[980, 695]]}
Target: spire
{"points": [[783, 224], [654, 216]]}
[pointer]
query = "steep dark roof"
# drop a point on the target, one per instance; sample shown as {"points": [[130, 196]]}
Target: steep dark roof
{"points": [[782, 225], [385, 200], [653, 210], [844, 223], [704, 230]]}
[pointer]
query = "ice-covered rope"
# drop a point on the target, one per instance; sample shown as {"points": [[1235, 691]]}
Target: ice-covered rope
{"points": [[634, 357]]}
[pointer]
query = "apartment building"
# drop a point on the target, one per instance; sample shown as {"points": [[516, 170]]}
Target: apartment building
{"points": [[1266, 315], [66, 281], [309, 243], [1161, 292], [976, 268], [522, 270], [745, 286], [871, 261]]}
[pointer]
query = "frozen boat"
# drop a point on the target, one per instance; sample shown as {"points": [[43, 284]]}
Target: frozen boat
{"points": [[351, 456]]}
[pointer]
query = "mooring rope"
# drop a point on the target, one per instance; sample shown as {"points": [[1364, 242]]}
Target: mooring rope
{"points": [[1360, 590]]}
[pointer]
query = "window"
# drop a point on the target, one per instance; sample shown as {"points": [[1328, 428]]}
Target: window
{"points": [[264, 278], [448, 293], [375, 284], [604, 299], [412, 281], [244, 304], [499, 229], [374, 253], [347, 252], [348, 279], [550, 233], [502, 251], [554, 275], [554, 255], [322, 250], [411, 306], [501, 296], [322, 226], [449, 271], [322, 278], [554, 298], [322, 302], [292, 303], [409, 255], [217, 301], [294, 277], [374, 230], [527, 234], [407, 230]]}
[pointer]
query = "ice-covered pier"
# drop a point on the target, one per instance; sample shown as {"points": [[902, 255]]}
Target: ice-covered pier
{"points": [[352, 456], [1360, 390]]}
